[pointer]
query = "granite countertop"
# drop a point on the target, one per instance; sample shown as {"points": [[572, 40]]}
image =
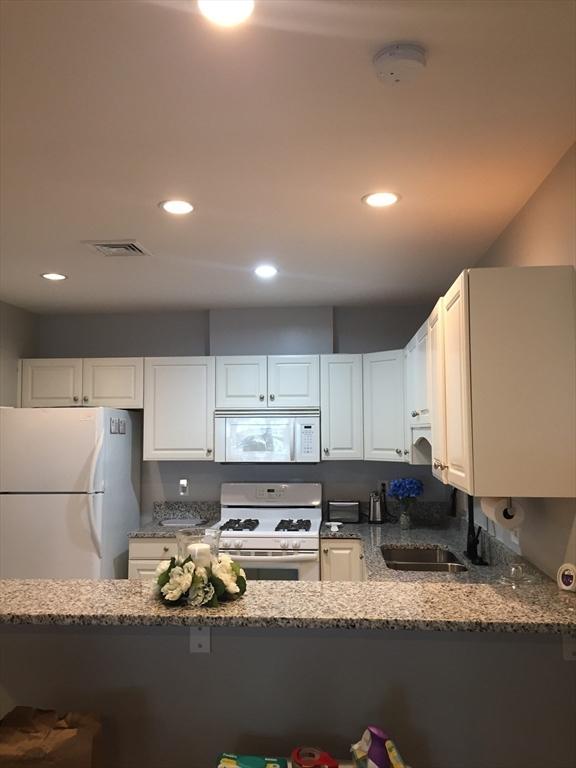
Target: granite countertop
{"points": [[389, 600], [385, 605]]}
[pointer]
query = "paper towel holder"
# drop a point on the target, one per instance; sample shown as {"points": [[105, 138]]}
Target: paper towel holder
{"points": [[473, 537]]}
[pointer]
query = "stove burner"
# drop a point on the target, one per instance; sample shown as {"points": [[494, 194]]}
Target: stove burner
{"points": [[293, 525], [240, 525]]}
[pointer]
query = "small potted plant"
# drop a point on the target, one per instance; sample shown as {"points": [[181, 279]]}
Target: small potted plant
{"points": [[405, 490]]}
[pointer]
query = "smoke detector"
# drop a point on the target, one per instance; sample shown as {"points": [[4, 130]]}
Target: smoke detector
{"points": [[400, 62]]}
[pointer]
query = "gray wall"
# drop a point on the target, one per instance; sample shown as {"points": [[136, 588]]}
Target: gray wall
{"points": [[340, 479], [264, 331], [449, 699], [372, 329], [543, 233], [135, 334], [17, 339]]}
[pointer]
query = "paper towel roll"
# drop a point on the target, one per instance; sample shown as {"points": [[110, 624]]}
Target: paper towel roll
{"points": [[504, 512]]}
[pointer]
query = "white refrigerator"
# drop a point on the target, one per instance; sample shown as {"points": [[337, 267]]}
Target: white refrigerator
{"points": [[69, 492]]}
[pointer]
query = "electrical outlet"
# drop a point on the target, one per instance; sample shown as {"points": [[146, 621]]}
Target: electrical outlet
{"points": [[121, 426], [200, 641], [515, 537], [113, 426]]}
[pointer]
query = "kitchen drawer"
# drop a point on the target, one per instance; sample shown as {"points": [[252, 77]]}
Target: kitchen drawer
{"points": [[152, 549], [142, 569]]}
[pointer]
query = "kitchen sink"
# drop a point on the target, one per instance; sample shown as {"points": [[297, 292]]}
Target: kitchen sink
{"points": [[422, 559]]}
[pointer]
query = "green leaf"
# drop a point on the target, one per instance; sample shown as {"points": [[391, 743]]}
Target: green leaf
{"points": [[218, 585], [212, 603], [241, 582], [164, 578]]}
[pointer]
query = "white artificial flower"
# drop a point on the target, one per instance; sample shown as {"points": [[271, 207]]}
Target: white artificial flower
{"points": [[161, 567], [243, 574], [222, 569], [189, 567], [179, 583]]}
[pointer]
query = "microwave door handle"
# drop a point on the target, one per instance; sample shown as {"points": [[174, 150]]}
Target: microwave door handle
{"points": [[293, 442]]}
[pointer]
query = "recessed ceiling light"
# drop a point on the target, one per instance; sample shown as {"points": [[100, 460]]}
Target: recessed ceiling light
{"points": [[380, 199], [54, 276], [177, 207], [265, 271], [226, 13]]}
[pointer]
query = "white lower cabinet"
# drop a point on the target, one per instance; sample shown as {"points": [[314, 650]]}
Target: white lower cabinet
{"points": [[179, 408], [145, 554], [384, 422], [341, 407], [342, 560]]}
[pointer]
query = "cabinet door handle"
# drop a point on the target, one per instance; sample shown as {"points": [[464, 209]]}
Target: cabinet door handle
{"points": [[75, 398], [208, 451], [436, 464], [399, 451], [85, 398], [415, 413], [272, 397], [166, 549], [326, 451], [406, 452], [261, 397], [361, 557], [325, 551]]}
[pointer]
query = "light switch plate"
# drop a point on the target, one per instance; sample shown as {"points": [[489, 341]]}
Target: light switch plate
{"points": [[200, 640], [113, 425], [121, 426]]}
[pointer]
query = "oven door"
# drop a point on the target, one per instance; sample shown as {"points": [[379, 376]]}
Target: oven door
{"points": [[272, 565]]}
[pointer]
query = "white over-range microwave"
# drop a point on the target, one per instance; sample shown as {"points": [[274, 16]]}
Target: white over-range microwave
{"points": [[281, 437]]}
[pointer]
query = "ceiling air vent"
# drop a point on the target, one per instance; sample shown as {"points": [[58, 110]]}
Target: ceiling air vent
{"points": [[118, 247]]}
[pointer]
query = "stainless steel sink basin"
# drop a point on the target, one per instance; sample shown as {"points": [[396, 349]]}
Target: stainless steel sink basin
{"points": [[418, 559]]}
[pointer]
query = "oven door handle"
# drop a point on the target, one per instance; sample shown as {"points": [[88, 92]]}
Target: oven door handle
{"points": [[271, 559]]}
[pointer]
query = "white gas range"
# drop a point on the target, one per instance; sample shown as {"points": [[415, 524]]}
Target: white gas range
{"points": [[272, 529]]}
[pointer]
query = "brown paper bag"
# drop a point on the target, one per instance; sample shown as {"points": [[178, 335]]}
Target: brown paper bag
{"points": [[39, 738]]}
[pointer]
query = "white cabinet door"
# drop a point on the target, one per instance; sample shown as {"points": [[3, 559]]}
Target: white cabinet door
{"points": [[437, 390], [342, 560], [457, 375], [115, 382], [179, 408], [293, 381], [384, 423], [51, 382], [241, 382], [341, 407], [416, 375], [142, 569]]}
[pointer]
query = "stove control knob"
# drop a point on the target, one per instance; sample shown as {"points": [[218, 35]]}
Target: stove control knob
{"points": [[284, 544], [238, 544], [296, 544], [226, 544]]}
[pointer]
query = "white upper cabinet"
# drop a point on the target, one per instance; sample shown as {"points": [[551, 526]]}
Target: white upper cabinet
{"points": [[241, 382], [179, 408], [437, 390], [510, 382], [115, 382], [457, 384], [341, 407], [416, 374], [384, 433], [293, 381], [278, 381], [51, 382]]}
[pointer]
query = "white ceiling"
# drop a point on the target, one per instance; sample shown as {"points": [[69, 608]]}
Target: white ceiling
{"points": [[274, 131]]}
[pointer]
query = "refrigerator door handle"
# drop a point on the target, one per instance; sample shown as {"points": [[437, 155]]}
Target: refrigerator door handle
{"points": [[96, 540], [94, 464]]}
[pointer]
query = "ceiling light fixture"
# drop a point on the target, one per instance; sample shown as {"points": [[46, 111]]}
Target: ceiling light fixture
{"points": [[265, 271], [54, 276], [177, 207], [226, 13], [380, 199]]}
